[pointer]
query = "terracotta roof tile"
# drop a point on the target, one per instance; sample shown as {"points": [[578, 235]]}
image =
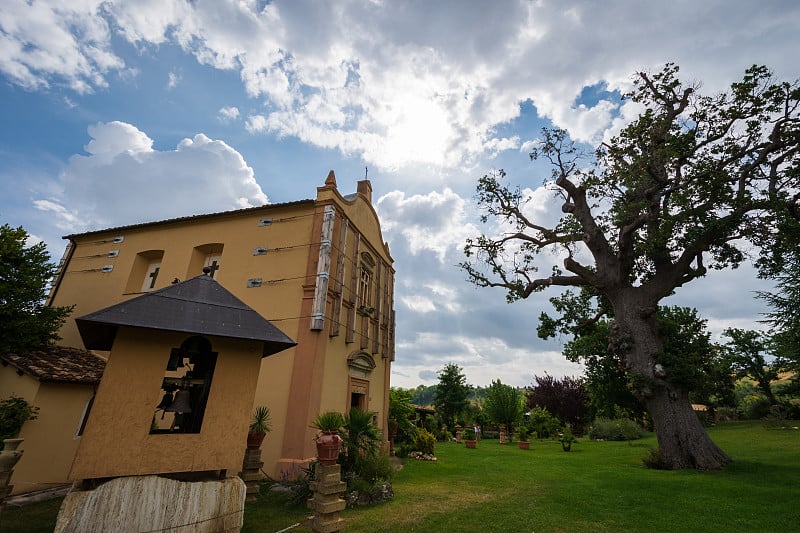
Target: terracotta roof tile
{"points": [[58, 364]]}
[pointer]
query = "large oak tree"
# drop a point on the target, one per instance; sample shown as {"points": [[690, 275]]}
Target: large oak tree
{"points": [[687, 186]]}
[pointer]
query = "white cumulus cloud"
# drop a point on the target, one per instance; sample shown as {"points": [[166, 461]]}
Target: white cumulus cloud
{"points": [[436, 221], [124, 180]]}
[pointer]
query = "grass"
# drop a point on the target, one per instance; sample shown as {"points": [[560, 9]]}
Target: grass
{"points": [[598, 486]]}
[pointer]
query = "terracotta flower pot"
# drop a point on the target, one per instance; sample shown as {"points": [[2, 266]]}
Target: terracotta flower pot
{"points": [[470, 443], [524, 445], [254, 440], [328, 447]]}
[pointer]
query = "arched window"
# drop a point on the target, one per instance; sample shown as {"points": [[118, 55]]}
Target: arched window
{"points": [[145, 271]]}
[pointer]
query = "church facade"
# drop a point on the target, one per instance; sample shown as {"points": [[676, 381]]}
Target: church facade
{"points": [[318, 270]]}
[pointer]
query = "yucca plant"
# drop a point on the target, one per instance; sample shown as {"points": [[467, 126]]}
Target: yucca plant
{"points": [[261, 422], [329, 421]]}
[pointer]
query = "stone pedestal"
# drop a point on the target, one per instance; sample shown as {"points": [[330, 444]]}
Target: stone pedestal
{"points": [[458, 434], [251, 472], [326, 503], [152, 503], [8, 458]]}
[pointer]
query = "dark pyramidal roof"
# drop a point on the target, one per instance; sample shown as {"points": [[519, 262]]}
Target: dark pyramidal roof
{"points": [[198, 305]]}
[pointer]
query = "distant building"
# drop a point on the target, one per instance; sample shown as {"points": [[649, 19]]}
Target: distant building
{"points": [[318, 270], [61, 382]]}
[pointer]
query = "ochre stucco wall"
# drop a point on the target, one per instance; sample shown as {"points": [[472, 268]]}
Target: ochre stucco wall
{"points": [[51, 439], [117, 439], [295, 384], [90, 290]]}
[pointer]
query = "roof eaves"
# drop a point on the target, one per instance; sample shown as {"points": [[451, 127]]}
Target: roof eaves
{"points": [[189, 217]]}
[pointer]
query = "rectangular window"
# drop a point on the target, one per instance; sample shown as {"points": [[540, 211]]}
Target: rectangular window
{"points": [[86, 410], [365, 288]]}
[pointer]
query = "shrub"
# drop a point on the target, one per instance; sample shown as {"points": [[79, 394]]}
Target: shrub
{"points": [[615, 429], [14, 412], [403, 449], [655, 459], [781, 416], [443, 435], [754, 406], [424, 441], [375, 468], [300, 489], [726, 414], [543, 423]]}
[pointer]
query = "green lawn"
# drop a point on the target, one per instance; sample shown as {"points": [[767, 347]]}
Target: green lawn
{"points": [[598, 486]]}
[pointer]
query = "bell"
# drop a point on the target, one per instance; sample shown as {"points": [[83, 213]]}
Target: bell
{"points": [[166, 401], [181, 403]]}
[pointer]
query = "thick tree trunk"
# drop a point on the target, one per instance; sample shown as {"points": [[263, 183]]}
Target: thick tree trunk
{"points": [[683, 442]]}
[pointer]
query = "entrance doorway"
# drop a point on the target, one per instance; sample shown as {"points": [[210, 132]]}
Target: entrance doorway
{"points": [[358, 400]]}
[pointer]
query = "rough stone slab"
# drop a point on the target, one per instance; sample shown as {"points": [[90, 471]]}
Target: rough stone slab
{"points": [[329, 488], [251, 476], [152, 503], [320, 526], [325, 470], [332, 506]]}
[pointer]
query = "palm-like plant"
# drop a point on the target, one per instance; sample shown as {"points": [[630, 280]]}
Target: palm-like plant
{"points": [[361, 437], [261, 421]]}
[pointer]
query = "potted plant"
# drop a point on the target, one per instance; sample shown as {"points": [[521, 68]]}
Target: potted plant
{"points": [[14, 412], [566, 439], [260, 425], [523, 443], [469, 437], [329, 442]]}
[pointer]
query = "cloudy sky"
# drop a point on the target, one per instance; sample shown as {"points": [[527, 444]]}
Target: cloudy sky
{"points": [[231, 104]]}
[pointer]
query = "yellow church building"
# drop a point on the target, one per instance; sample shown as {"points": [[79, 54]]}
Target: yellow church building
{"points": [[318, 270]]}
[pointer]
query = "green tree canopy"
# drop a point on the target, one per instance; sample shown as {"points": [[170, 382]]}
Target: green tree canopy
{"points": [[26, 322], [784, 318], [400, 411], [423, 395], [692, 361], [746, 351], [504, 404], [451, 393], [687, 186]]}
